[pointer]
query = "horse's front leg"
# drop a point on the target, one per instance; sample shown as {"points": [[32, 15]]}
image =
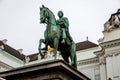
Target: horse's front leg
{"points": [[39, 48], [56, 41]]}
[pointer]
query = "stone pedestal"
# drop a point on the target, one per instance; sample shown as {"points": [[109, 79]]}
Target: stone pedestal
{"points": [[50, 70]]}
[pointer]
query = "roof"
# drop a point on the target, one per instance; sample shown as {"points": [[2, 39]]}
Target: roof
{"points": [[12, 51], [33, 57], [79, 46], [85, 45]]}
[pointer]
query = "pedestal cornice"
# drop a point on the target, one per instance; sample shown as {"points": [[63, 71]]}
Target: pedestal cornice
{"points": [[54, 69]]}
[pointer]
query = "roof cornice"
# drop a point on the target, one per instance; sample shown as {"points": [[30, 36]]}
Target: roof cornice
{"points": [[110, 43], [88, 61]]}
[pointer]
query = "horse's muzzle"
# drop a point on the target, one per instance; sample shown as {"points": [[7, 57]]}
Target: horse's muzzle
{"points": [[42, 20]]}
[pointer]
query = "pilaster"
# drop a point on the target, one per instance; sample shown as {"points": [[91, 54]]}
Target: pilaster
{"points": [[102, 68]]}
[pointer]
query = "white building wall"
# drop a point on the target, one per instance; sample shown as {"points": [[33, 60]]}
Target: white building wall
{"points": [[112, 35], [113, 62], [87, 53], [10, 60], [90, 70], [89, 73]]}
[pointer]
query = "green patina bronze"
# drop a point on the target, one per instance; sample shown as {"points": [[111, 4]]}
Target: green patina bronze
{"points": [[57, 36], [64, 24]]}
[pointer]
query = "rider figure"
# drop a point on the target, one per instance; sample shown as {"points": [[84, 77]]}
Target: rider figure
{"points": [[64, 24]]}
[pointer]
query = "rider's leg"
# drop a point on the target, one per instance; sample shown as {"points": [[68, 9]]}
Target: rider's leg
{"points": [[63, 35], [73, 55], [69, 37]]}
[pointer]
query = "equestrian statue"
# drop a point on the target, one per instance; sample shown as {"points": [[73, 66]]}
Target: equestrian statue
{"points": [[57, 36]]}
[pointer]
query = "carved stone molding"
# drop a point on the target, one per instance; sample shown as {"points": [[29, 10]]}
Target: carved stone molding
{"points": [[108, 55], [27, 59], [4, 41], [2, 47], [88, 61], [7, 67], [39, 57], [102, 61], [111, 43], [114, 52], [100, 52]]}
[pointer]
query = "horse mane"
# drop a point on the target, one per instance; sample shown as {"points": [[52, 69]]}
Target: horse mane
{"points": [[51, 12]]}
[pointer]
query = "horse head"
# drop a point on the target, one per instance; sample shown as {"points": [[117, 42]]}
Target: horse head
{"points": [[44, 14], [47, 16]]}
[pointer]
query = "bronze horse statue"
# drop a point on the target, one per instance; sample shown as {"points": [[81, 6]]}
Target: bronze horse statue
{"points": [[52, 37]]}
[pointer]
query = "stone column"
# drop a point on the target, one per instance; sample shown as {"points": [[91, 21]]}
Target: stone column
{"points": [[109, 66], [119, 64], [115, 67], [102, 69]]}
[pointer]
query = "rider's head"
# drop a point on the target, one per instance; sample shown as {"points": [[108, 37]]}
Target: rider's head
{"points": [[60, 14]]}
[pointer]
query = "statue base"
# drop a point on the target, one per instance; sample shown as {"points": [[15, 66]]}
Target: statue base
{"points": [[49, 70]]}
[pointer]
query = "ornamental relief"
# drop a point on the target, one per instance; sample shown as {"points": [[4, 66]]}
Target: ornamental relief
{"points": [[102, 60], [7, 67], [110, 44], [112, 54], [88, 61]]}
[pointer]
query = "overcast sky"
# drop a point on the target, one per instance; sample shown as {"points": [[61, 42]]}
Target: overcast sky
{"points": [[19, 20]]}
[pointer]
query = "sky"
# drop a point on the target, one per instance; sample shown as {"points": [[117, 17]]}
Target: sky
{"points": [[20, 20]]}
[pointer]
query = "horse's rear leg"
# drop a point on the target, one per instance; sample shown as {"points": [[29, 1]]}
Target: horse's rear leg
{"points": [[65, 56], [73, 55], [39, 48]]}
